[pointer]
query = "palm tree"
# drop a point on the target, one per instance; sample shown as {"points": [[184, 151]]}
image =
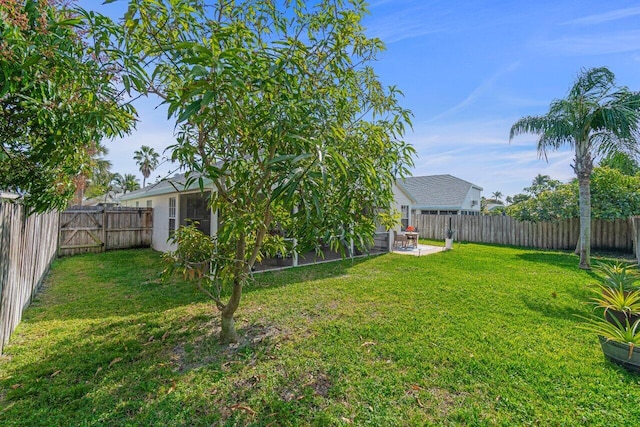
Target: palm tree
{"points": [[130, 182], [147, 159], [94, 174], [542, 183], [117, 182], [541, 180], [496, 195], [595, 118]]}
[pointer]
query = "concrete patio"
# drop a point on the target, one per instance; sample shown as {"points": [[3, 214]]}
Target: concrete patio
{"points": [[420, 250]]}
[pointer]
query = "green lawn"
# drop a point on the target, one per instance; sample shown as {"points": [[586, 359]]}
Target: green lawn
{"points": [[481, 335]]}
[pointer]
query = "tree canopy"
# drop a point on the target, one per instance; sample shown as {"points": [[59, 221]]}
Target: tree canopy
{"points": [[614, 195], [276, 104], [59, 71]]}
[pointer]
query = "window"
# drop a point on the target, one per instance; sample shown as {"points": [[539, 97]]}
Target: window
{"points": [[172, 216], [404, 219], [194, 208], [137, 204], [149, 203]]}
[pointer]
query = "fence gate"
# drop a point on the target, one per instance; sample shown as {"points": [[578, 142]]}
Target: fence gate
{"points": [[100, 229]]}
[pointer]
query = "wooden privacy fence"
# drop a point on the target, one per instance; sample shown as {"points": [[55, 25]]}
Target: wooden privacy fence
{"points": [[99, 229], [608, 235], [27, 248]]}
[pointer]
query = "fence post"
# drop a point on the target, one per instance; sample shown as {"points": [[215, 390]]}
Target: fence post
{"points": [[636, 236], [104, 230]]}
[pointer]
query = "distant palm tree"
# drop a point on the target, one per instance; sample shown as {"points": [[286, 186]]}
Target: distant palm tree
{"points": [[596, 117], [497, 195], [541, 180], [117, 182], [95, 173], [147, 159], [542, 183], [130, 182]]}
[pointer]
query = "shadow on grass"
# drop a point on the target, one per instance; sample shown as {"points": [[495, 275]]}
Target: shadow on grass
{"points": [[132, 371], [126, 283], [553, 308], [305, 273]]}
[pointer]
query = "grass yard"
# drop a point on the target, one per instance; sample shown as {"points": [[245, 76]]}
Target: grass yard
{"points": [[481, 335]]}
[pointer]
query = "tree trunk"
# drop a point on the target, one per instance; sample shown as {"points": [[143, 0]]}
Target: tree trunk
{"points": [[584, 185], [228, 333], [80, 182]]}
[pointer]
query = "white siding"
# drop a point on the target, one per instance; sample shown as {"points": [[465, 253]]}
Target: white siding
{"points": [[401, 199], [473, 195], [161, 218]]}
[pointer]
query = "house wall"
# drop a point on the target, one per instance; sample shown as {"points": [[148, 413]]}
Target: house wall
{"points": [[160, 205], [473, 194], [401, 199]]}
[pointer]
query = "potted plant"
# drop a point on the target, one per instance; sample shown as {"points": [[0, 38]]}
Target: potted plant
{"points": [[618, 328], [448, 240], [619, 341], [619, 274], [618, 294]]}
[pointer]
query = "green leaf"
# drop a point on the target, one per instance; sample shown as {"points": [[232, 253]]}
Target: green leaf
{"points": [[189, 111]]}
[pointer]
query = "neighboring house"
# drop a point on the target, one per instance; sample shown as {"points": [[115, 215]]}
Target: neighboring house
{"points": [[8, 196], [492, 205], [111, 198], [174, 204], [436, 194]]}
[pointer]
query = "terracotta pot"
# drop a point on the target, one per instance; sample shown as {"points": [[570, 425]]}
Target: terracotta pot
{"points": [[621, 354]]}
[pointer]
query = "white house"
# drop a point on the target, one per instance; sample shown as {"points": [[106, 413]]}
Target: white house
{"points": [[436, 194], [174, 204]]}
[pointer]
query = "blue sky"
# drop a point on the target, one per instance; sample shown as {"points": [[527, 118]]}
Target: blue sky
{"points": [[469, 70]]}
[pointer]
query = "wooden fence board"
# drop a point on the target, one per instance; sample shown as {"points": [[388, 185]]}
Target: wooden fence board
{"points": [[27, 248], [615, 235]]}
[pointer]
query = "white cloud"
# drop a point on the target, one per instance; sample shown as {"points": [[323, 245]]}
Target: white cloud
{"points": [[600, 18], [407, 23], [592, 44], [484, 87], [479, 151]]}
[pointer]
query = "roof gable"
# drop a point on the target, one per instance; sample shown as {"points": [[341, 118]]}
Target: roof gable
{"points": [[444, 191], [175, 184]]}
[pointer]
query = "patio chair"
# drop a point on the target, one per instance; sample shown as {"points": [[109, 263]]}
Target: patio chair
{"points": [[399, 238]]}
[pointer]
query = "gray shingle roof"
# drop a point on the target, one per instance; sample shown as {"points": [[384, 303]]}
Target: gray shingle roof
{"points": [[170, 185], [438, 191]]}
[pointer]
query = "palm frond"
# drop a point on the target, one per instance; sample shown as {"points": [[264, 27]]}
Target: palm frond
{"points": [[529, 124]]}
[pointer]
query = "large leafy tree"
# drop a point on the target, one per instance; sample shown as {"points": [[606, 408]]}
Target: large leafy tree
{"points": [[622, 162], [58, 96], [596, 118], [614, 195], [147, 160], [277, 105]]}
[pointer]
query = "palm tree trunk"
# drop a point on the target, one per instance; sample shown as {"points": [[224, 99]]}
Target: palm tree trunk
{"points": [[584, 186]]}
